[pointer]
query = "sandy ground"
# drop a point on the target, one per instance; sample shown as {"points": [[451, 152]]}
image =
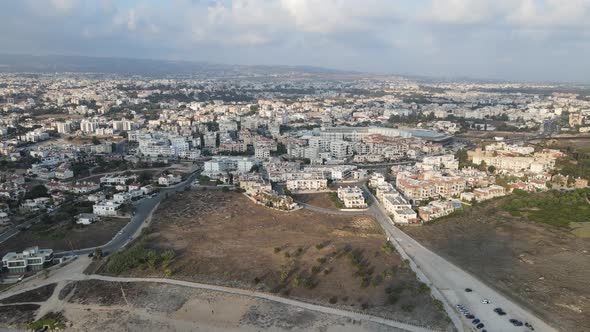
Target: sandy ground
{"points": [[223, 238], [540, 266], [102, 306]]}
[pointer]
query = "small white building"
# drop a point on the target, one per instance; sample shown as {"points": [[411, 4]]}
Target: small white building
{"points": [[169, 180], [86, 218], [105, 208]]}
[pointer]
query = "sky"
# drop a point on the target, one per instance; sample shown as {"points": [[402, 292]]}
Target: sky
{"points": [[523, 40]]}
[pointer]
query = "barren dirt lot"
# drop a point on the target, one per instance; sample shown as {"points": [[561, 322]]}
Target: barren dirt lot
{"points": [[322, 200], [40, 294], [66, 238], [17, 316], [223, 238], [98, 306], [544, 267]]}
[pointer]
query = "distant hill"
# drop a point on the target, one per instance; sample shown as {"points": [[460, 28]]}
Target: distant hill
{"points": [[64, 63]]}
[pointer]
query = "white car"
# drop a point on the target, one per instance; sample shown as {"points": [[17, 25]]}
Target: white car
{"points": [[485, 301]]}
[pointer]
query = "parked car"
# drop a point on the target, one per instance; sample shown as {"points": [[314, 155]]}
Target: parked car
{"points": [[480, 326], [470, 316], [468, 290], [515, 322], [90, 255], [500, 311], [485, 301], [476, 321]]}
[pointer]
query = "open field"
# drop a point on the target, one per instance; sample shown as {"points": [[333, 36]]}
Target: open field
{"points": [[40, 294], [544, 267], [66, 237], [223, 238], [94, 305], [322, 200]]}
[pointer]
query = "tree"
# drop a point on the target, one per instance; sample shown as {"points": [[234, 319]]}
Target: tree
{"points": [[97, 253], [95, 140], [482, 166], [37, 191], [492, 169]]}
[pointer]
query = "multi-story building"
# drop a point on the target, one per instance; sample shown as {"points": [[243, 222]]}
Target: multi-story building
{"points": [[31, 259], [106, 208], [435, 209], [88, 126], [307, 182], [352, 197]]}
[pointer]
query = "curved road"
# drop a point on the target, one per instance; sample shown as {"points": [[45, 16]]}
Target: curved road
{"points": [[449, 281], [143, 209]]}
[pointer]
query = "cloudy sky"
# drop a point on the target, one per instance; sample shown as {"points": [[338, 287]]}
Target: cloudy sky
{"points": [[508, 39]]}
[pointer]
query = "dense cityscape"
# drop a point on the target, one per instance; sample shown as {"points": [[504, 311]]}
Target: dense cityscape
{"points": [[295, 166], [87, 159]]}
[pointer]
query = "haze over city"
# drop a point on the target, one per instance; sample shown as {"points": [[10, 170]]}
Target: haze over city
{"points": [[522, 40]]}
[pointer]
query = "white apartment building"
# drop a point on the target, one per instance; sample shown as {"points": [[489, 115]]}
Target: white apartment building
{"points": [[261, 152], [106, 208], [307, 183], [352, 197], [169, 180], [63, 127], [88, 126], [31, 259], [219, 165]]}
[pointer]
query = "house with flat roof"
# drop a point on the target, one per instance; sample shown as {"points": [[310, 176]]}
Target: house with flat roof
{"points": [[31, 259]]}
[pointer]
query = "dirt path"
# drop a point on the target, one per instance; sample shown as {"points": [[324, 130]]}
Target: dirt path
{"points": [[265, 296]]}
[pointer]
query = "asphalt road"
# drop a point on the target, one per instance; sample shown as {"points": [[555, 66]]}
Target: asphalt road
{"points": [[451, 282], [143, 208]]}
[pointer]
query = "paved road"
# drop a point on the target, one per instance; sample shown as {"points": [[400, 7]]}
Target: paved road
{"points": [[451, 282], [143, 209]]}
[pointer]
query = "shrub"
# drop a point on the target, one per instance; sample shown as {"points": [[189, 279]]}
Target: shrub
{"points": [[256, 280], [377, 280], [333, 300], [388, 247], [321, 260], [423, 288], [277, 250], [408, 307], [315, 269], [392, 298], [365, 281]]}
